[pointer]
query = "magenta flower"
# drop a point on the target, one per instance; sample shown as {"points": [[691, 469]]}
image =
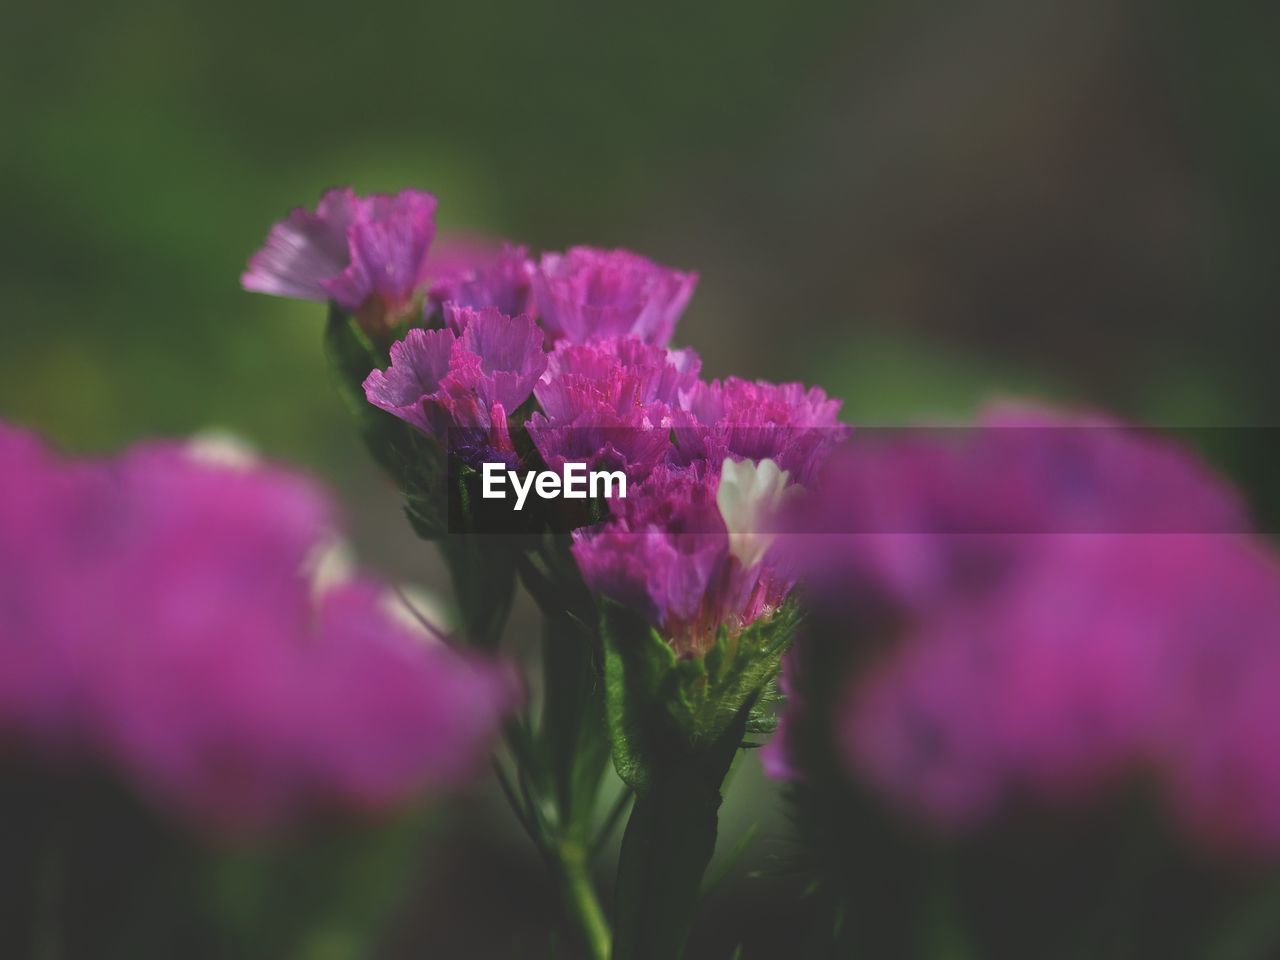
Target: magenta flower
{"points": [[479, 276], [366, 254], [305, 249], [946, 505], [795, 426], [50, 522], [1062, 604], [1096, 668], [690, 546], [157, 617], [440, 381], [587, 294], [683, 550], [611, 403]]}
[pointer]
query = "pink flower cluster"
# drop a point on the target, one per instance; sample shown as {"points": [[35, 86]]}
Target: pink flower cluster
{"points": [[690, 552], [371, 256], [159, 618], [585, 334], [667, 553], [1066, 605]]}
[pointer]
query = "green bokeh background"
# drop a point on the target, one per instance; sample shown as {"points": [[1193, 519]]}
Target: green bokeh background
{"points": [[915, 205]]}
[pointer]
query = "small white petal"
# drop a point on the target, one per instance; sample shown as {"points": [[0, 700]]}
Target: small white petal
{"points": [[747, 496]]}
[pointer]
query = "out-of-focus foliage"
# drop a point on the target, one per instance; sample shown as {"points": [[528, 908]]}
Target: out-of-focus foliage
{"points": [[150, 146], [1079, 187]]}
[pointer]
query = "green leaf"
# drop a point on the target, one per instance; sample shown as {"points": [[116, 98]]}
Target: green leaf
{"points": [[483, 569], [638, 669], [573, 735], [352, 356]]}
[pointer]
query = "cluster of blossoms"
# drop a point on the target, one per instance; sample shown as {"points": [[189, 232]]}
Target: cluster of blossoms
{"points": [[571, 350], [1040, 611], [692, 548], [164, 615], [674, 589], [1036, 610]]}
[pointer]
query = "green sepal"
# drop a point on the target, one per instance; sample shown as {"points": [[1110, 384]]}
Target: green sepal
{"points": [[658, 704], [763, 718], [737, 672]]}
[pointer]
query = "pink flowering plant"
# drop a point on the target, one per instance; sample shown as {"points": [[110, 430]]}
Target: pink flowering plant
{"points": [[1019, 678], [1047, 635], [666, 612]]}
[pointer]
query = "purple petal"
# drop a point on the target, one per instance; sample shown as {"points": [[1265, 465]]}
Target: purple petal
{"points": [[419, 364], [479, 277], [587, 294], [388, 253], [509, 350], [306, 249]]}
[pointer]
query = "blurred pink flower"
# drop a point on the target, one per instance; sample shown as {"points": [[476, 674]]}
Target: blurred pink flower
{"points": [[158, 617], [1062, 607]]}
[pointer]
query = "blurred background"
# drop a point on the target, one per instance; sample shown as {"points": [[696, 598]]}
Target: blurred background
{"points": [[914, 205]]}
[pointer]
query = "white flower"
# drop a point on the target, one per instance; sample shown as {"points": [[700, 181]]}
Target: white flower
{"points": [[747, 496]]}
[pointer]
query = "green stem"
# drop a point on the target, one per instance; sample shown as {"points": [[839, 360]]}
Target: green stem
{"points": [[578, 893], [483, 574], [559, 766], [667, 846], [574, 741], [611, 820], [575, 753], [569, 859]]}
